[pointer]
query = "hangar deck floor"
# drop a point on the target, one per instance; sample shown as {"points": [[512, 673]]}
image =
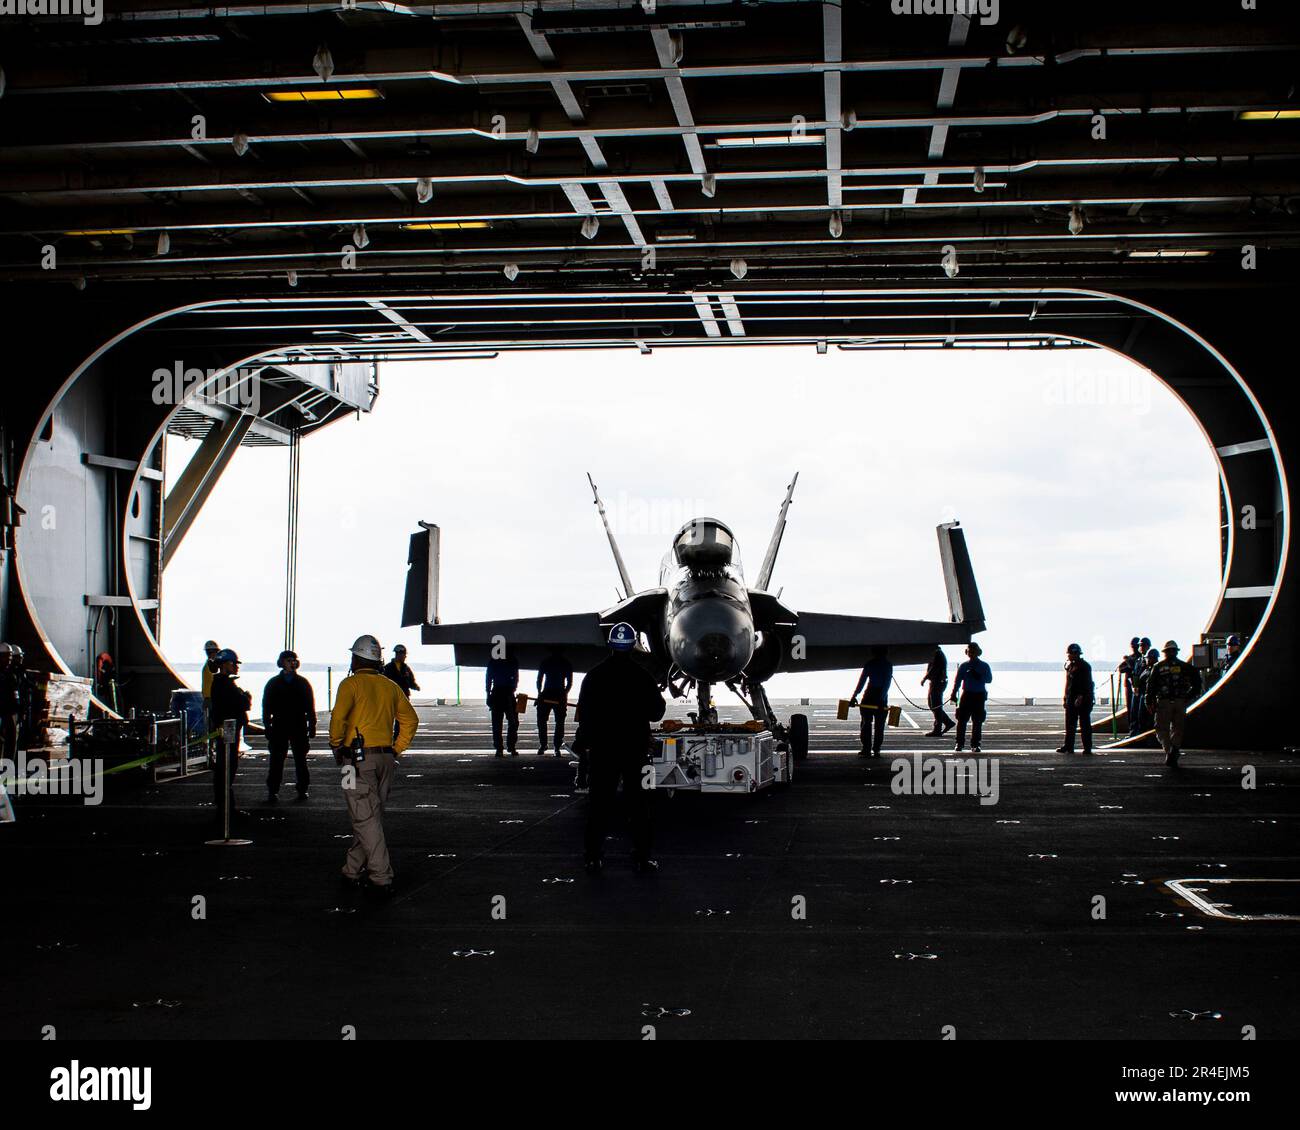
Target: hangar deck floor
{"points": [[922, 911]]}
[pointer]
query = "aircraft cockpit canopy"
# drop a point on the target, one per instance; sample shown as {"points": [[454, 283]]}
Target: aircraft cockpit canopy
{"points": [[705, 545]]}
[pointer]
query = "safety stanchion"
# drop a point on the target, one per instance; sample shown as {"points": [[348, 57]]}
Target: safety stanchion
{"points": [[229, 740]]}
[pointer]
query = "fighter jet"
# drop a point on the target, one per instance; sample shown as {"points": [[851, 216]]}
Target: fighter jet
{"points": [[702, 625]]}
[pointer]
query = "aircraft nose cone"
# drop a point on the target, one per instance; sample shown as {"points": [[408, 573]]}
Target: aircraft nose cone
{"points": [[711, 641], [717, 646]]}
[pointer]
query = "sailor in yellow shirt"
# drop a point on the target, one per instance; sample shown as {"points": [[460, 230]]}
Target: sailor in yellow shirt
{"points": [[367, 712], [206, 674]]}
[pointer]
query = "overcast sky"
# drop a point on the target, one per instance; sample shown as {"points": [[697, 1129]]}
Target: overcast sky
{"points": [[1087, 492]]}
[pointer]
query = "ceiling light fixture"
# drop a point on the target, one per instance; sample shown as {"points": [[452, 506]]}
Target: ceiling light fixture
{"points": [[349, 94], [446, 225], [1170, 253], [766, 140]]}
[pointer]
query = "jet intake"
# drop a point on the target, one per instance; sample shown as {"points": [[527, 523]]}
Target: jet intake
{"points": [[766, 660]]}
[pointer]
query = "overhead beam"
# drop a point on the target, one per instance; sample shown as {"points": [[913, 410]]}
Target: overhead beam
{"points": [[833, 52], [704, 311], [617, 201], [461, 66], [757, 243], [664, 47], [196, 482], [414, 332], [35, 184], [224, 415], [947, 98], [87, 132], [1092, 183]]}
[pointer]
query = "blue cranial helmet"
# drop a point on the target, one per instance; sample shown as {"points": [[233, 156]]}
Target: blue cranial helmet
{"points": [[622, 637]]}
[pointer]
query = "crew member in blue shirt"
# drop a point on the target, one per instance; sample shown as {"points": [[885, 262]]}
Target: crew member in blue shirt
{"points": [[972, 682], [1130, 667], [502, 682], [876, 677], [554, 681]]}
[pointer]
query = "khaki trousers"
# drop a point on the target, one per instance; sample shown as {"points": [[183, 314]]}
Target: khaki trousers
{"points": [[366, 808], [1170, 713]]}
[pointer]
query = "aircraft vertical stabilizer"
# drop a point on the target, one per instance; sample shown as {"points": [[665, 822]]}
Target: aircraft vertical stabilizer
{"points": [[769, 558], [959, 577], [613, 545], [420, 605]]}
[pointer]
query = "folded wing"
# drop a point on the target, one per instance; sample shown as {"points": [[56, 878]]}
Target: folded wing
{"points": [[530, 639], [580, 636], [826, 642], [821, 641]]}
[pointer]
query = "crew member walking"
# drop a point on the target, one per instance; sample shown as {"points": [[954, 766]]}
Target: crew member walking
{"points": [[230, 702], [289, 718], [368, 711], [936, 674], [1080, 693], [400, 671], [618, 701], [876, 677], [1172, 684], [502, 683], [972, 683], [1143, 681], [554, 681]]}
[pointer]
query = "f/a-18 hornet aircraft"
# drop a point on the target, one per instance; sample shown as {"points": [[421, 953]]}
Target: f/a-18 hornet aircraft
{"points": [[702, 626]]}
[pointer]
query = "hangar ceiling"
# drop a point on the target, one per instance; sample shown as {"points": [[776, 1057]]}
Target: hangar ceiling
{"points": [[591, 144]]}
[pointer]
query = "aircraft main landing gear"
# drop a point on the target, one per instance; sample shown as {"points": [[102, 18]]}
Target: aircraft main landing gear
{"points": [[798, 736]]}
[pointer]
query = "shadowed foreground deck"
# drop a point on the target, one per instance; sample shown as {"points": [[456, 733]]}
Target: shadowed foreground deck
{"points": [[921, 911]]}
